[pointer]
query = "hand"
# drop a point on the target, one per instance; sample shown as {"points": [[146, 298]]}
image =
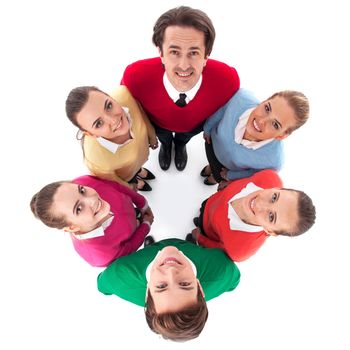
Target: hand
{"points": [[223, 173], [195, 233], [154, 144], [148, 215], [207, 138], [222, 185]]}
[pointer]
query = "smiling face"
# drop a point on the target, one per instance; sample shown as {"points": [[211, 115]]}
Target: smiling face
{"points": [[270, 120], [172, 284], [273, 209], [183, 55], [81, 206], [102, 116]]}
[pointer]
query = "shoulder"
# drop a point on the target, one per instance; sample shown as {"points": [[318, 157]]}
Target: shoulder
{"points": [[122, 95], [86, 180], [140, 65], [267, 179], [220, 69]]}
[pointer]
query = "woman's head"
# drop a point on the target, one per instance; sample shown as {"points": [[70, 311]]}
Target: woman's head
{"points": [[96, 113], [278, 116], [175, 305], [65, 205]]}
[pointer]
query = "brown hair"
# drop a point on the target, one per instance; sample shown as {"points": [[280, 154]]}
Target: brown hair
{"points": [[178, 326], [306, 214], [184, 16], [41, 204], [76, 100], [300, 105]]}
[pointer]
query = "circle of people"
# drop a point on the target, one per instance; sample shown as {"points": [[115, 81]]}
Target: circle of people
{"points": [[172, 98]]}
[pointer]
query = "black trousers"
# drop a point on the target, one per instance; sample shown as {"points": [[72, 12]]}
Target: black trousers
{"points": [[214, 163], [166, 137]]}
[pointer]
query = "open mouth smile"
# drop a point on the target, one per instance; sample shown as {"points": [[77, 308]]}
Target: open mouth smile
{"points": [[170, 261]]}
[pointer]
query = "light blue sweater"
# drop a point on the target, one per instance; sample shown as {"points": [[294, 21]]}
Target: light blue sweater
{"points": [[238, 159]]}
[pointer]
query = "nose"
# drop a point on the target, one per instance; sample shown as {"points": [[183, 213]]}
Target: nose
{"points": [[110, 119], [183, 63]]}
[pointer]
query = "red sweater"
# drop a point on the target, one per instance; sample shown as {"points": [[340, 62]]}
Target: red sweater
{"points": [[239, 245], [122, 236], [144, 79]]}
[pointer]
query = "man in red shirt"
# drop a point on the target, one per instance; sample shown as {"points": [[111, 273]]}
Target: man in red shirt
{"points": [[183, 87], [239, 218]]}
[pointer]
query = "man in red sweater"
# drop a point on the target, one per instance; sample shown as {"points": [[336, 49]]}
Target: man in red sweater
{"points": [[239, 218], [180, 89]]}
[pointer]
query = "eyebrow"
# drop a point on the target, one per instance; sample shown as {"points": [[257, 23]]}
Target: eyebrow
{"points": [[164, 289]]}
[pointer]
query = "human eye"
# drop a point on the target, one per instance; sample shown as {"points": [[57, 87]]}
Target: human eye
{"points": [[185, 284], [271, 216], [161, 285], [275, 125], [194, 53], [174, 52], [109, 105], [267, 107], [274, 197], [81, 189], [98, 124]]}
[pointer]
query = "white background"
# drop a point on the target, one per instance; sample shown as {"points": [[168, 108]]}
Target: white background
{"points": [[294, 293]]}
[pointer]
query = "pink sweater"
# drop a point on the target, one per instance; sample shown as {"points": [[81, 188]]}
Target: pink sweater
{"points": [[122, 236]]}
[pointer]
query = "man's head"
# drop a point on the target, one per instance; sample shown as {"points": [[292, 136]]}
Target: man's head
{"points": [[175, 305], [184, 38], [279, 211], [278, 116]]}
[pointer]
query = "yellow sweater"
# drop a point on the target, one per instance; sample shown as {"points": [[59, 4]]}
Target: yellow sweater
{"points": [[122, 165]]}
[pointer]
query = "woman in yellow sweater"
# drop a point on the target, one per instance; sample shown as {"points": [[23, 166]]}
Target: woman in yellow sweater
{"points": [[116, 134]]}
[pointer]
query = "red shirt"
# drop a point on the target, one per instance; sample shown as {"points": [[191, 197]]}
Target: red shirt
{"points": [[239, 245], [144, 79]]}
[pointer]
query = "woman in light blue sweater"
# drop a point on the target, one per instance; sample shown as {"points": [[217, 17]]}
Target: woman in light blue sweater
{"points": [[244, 136]]}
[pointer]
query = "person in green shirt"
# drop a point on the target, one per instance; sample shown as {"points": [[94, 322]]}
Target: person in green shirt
{"points": [[172, 279]]}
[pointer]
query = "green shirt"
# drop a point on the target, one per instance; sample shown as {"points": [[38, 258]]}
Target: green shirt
{"points": [[126, 276]]}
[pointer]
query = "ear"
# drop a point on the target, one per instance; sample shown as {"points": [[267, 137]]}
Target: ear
{"points": [[160, 53], [269, 232], [86, 133], [205, 62], [147, 291], [281, 137], [200, 288], [71, 229]]}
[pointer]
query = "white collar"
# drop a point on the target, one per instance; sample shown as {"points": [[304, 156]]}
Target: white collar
{"points": [[235, 221], [240, 130], [97, 232], [174, 94], [149, 267], [112, 146]]}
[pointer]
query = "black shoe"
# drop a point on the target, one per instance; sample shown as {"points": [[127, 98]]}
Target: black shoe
{"points": [[146, 187], [148, 241], [149, 175], [208, 183], [180, 157], [203, 174], [190, 239], [196, 221], [164, 157]]}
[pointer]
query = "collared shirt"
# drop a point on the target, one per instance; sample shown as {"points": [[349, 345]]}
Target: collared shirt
{"points": [[149, 267], [235, 221], [97, 232], [174, 94], [112, 146], [240, 130]]}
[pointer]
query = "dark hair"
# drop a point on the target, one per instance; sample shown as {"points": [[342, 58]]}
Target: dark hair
{"points": [[178, 326], [300, 105], [306, 214], [76, 100], [184, 16], [41, 204]]}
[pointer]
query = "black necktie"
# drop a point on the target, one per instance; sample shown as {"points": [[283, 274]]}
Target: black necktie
{"points": [[181, 102]]}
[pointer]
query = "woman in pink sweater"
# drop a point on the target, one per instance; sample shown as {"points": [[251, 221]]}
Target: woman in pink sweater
{"points": [[105, 219]]}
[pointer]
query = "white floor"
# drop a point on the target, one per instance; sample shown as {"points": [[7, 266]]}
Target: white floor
{"points": [[294, 294]]}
